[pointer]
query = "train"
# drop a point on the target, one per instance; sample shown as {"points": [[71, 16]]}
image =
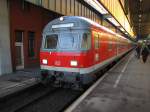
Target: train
{"points": [[75, 48]]}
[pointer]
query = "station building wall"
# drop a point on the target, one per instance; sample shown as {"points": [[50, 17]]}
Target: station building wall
{"points": [[5, 55], [28, 21]]}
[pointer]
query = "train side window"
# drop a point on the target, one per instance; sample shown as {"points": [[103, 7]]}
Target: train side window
{"points": [[51, 41], [85, 41], [99, 37], [96, 41], [110, 45]]}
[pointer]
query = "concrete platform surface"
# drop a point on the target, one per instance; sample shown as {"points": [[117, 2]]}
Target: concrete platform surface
{"points": [[14, 82], [125, 88]]}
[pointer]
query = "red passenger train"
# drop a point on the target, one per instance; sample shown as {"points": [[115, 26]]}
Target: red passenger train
{"points": [[75, 48]]}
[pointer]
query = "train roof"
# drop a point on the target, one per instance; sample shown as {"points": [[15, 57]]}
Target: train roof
{"points": [[77, 22]]}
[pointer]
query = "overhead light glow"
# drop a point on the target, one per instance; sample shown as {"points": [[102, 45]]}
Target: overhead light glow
{"points": [[112, 20], [139, 24], [140, 15], [96, 5], [122, 29]]}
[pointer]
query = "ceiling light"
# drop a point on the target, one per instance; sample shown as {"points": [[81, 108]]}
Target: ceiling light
{"points": [[96, 5], [140, 15], [140, 0], [122, 29]]}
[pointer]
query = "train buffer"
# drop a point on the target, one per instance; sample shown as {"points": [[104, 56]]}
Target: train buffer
{"points": [[15, 82], [124, 88]]}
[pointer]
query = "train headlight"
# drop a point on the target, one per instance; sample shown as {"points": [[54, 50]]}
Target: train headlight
{"points": [[61, 18], [73, 63], [44, 61]]}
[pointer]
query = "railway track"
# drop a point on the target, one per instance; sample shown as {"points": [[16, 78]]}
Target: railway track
{"points": [[16, 101], [54, 102], [39, 99]]}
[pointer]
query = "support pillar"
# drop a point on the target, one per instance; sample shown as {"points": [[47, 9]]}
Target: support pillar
{"points": [[5, 54]]}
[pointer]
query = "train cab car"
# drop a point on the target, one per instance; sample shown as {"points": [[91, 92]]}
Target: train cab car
{"points": [[75, 48]]}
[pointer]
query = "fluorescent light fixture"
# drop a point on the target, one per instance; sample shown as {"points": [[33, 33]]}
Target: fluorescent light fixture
{"points": [[120, 36], [98, 25], [96, 5], [113, 21], [122, 29]]}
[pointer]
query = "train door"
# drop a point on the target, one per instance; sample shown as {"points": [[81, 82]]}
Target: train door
{"points": [[110, 47], [19, 56], [96, 47], [117, 47]]}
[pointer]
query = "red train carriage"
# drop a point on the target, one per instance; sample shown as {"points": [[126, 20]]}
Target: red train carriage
{"points": [[74, 48]]}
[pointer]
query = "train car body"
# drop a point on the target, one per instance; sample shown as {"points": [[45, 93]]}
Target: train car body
{"points": [[75, 48]]}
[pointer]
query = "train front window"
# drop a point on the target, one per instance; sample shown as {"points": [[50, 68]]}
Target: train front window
{"points": [[68, 41], [85, 41], [51, 41]]}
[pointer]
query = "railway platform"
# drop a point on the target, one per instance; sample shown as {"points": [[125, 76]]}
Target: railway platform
{"points": [[12, 83], [124, 88]]}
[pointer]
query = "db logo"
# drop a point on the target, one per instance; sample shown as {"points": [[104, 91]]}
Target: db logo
{"points": [[57, 63]]}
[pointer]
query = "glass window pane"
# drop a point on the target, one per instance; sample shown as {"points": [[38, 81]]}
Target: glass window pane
{"points": [[51, 41], [19, 35], [85, 41], [68, 41], [31, 44], [63, 41], [110, 46], [39, 2], [96, 40]]}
